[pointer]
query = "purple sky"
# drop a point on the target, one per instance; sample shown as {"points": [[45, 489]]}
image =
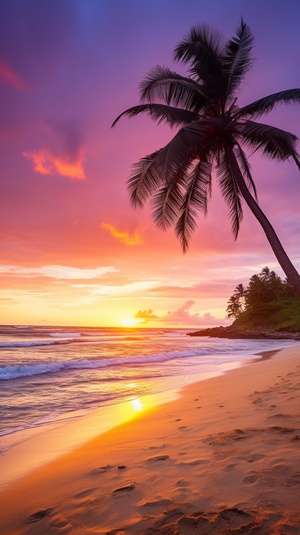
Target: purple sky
{"points": [[73, 250]]}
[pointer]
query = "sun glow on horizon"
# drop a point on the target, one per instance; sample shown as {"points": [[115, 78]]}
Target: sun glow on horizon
{"points": [[130, 322]]}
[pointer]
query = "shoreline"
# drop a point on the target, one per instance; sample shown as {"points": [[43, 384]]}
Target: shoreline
{"points": [[37, 446], [228, 447]]}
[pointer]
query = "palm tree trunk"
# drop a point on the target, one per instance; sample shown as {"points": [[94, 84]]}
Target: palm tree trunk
{"points": [[292, 275]]}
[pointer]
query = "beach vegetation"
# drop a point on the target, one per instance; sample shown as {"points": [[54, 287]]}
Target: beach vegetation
{"points": [[267, 302], [213, 137]]}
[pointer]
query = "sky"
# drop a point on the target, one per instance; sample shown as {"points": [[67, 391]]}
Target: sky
{"points": [[73, 249]]}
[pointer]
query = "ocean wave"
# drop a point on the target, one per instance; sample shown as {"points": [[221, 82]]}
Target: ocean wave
{"points": [[31, 343], [24, 370]]}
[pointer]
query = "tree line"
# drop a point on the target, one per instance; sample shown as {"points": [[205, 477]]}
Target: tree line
{"points": [[263, 287]]}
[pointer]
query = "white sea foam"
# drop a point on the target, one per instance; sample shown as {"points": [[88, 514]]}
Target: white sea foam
{"points": [[65, 335], [25, 370]]}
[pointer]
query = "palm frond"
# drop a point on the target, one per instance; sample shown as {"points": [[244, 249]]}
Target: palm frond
{"points": [[245, 168], [237, 58], [194, 201], [160, 113], [202, 49], [144, 180], [266, 104], [165, 165], [173, 89], [166, 203], [231, 193], [189, 143], [274, 142]]}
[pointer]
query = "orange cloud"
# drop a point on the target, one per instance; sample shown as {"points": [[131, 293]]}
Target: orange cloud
{"points": [[9, 77], [46, 163], [146, 315], [124, 237]]}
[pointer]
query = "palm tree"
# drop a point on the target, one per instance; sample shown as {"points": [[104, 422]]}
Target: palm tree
{"points": [[240, 293], [234, 308], [265, 273], [211, 131]]}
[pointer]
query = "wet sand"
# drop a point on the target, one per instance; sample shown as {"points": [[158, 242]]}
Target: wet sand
{"points": [[222, 458]]}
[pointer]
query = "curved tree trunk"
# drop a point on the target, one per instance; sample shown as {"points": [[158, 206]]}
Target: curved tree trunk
{"points": [[292, 275]]}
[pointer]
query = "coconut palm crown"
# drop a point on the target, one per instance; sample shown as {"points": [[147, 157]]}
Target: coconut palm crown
{"points": [[212, 133]]}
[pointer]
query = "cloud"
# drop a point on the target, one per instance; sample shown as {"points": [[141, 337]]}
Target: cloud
{"points": [[67, 156], [124, 237], [11, 78], [46, 163], [146, 315], [57, 272], [181, 316], [119, 290]]}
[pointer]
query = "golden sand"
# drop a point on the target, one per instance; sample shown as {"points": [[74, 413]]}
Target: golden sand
{"points": [[222, 458]]}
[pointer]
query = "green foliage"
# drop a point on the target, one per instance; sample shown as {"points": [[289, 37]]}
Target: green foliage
{"points": [[267, 302]]}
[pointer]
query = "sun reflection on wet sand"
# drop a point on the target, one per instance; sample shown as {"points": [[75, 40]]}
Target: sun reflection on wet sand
{"points": [[137, 404]]}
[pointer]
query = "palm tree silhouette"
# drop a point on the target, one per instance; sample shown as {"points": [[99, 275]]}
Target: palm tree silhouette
{"points": [[212, 132]]}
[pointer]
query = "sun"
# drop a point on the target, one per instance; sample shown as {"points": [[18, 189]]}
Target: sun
{"points": [[129, 322]]}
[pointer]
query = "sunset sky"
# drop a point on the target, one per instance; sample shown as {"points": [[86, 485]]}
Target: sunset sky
{"points": [[73, 250]]}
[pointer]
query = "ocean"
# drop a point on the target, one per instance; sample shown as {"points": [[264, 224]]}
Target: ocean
{"points": [[48, 373]]}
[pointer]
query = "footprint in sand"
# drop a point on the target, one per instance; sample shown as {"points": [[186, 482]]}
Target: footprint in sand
{"points": [[158, 458], [195, 462], [256, 457], [127, 487], [182, 483], [101, 470], [164, 502], [157, 447], [257, 401], [39, 515], [279, 415], [84, 493], [280, 430], [251, 477], [293, 481]]}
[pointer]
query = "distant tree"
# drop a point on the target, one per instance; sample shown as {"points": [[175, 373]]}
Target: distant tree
{"points": [[233, 307], [212, 131], [265, 273], [263, 287], [240, 294], [256, 291]]}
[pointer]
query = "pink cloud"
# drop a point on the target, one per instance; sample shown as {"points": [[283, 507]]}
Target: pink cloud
{"points": [[181, 316]]}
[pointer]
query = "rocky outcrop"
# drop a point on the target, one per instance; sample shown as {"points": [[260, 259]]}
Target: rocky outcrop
{"points": [[234, 332]]}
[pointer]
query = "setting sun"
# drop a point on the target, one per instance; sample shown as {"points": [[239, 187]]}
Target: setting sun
{"points": [[130, 322]]}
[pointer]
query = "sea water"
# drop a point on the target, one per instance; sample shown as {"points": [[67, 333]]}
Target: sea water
{"points": [[48, 373]]}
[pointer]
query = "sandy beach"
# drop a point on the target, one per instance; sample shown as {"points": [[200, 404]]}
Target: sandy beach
{"points": [[221, 458]]}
